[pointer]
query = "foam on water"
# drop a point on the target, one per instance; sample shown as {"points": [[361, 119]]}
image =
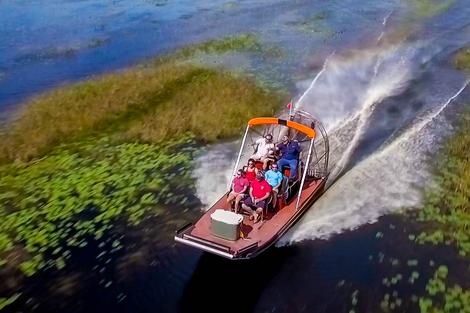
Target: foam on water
{"points": [[212, 171], [344, 95], [388, 180], [350, 88]]}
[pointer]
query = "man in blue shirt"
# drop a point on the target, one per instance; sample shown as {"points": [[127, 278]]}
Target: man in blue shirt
{"points": [[274, 179], [290, 151]]}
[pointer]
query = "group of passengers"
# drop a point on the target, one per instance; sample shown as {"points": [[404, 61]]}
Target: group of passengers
{"points": [[252, 187]]}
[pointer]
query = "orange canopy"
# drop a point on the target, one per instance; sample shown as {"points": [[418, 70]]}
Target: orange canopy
{"points": [[274, 120]]}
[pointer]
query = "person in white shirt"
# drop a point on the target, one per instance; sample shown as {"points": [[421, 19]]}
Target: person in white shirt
{"points": [[264, 151]]}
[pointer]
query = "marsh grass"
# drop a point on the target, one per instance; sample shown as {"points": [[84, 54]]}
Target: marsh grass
{"points": [[152, 102], [79, 190], [87, 106], [214, 106], [246, 42], [430, 8], [448, 205], [117, 147], [462, 60], [445, 219]]}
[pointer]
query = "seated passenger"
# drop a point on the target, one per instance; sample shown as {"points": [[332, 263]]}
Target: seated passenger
{"points": [[290, 151], [250, 170], [260, 191], [262, 154], [274, 179], [239, 187]]}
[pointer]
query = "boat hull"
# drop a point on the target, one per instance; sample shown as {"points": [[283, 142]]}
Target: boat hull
{"points": [[255, 238]]}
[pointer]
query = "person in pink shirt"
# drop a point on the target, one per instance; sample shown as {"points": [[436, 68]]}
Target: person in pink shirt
{"points": [[239, 187]]}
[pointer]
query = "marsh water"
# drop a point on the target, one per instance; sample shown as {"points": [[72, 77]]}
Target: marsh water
{"points": [[379, 75]]}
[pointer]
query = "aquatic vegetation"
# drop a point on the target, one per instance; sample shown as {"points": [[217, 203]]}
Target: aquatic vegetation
{"points": [[462, 60], [157, 3], [430, 8], [78, 191], [90, 106], [241, 102], [246, 42], [354, 301], [84, 160], [116, 103], [442, 298], [230, 5], [390, 302], [448, 205], [414, 275], [58, 52], [4, 302], [313, 24]]}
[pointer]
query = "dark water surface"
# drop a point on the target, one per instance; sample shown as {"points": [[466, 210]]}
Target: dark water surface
{"points": [[313, 276], [386, 96], [49, 43]]}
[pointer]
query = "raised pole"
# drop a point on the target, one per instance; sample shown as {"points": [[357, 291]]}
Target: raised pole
{"points": [[239, 156], [304, 174]]}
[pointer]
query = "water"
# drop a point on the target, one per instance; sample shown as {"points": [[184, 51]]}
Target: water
{"points": [[374, 72]]}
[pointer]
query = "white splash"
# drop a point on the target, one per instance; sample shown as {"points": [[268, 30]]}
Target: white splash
{"points": [[391, 82], [299, 103], [213, 169], [385, 182], [384, 23]]}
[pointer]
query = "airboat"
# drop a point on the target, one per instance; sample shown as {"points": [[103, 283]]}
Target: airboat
{"points": [[235, 236]]}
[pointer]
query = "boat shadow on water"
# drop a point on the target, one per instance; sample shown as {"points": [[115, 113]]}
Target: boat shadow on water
{"points": [[223, 285]]}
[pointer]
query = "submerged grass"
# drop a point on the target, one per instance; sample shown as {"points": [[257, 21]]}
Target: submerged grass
{"points": [[429, 262], [78, 159], [446, 214], [208, 108], [462, 60], [79, 190], [156, 100], [430, 8], [448, 205], [246, 42]]}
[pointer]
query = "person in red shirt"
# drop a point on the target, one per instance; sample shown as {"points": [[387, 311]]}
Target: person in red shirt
{"points": [[260, 191], [251, 170], [239, 187]]}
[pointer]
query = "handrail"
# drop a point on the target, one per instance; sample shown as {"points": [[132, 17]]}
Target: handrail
{"points": [[235, 168], [310, 132], [304, 175]]}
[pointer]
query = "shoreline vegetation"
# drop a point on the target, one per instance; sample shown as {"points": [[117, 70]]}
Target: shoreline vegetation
{"points": [[142, 103], [441, 228], [81, 159], [446, 214], [445, 219], [114, 149]]}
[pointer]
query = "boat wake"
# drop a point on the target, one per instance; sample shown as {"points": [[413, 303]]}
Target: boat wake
{"points": [[390, 179], [212, 171], [357, 96]]}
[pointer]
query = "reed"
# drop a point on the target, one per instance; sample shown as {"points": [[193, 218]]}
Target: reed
{"points": [[151, 102]]}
